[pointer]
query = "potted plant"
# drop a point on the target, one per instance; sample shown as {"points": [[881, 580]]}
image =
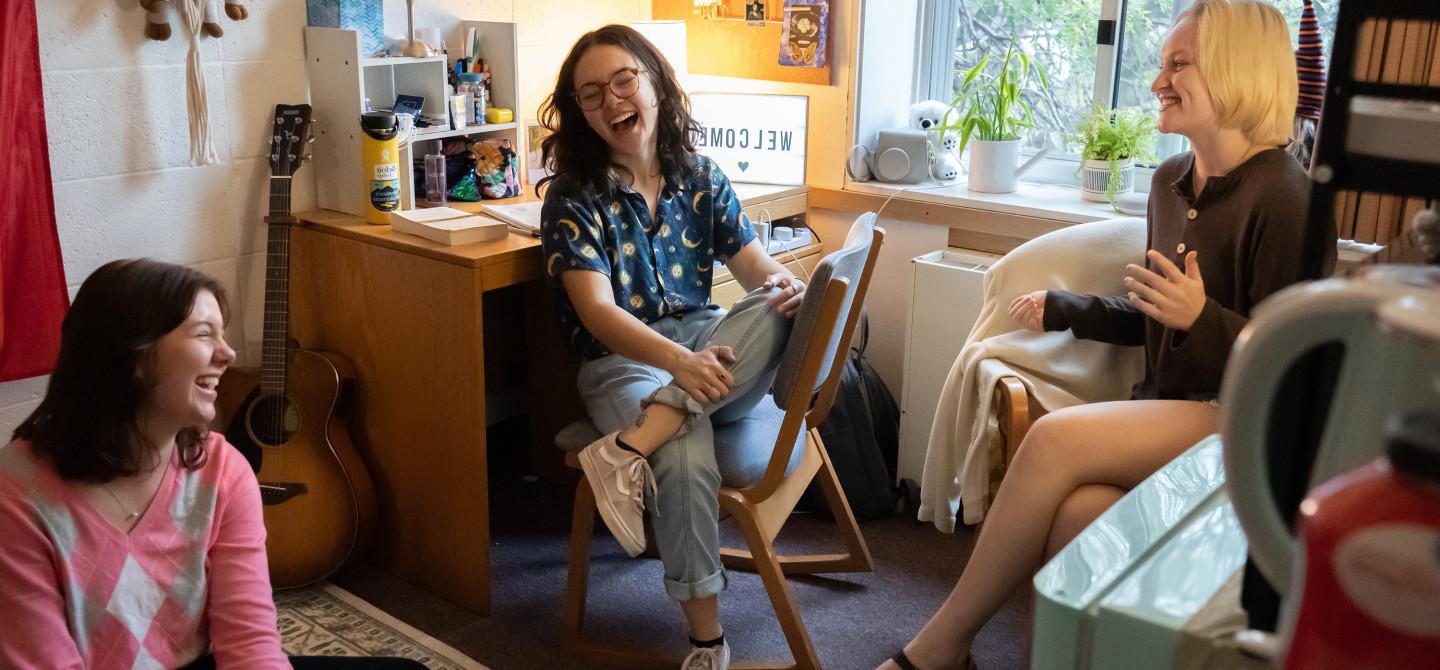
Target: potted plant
{"points": [[989, 109], [1111, 141]]}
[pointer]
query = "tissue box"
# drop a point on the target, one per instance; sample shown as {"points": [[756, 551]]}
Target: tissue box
{"points": [[365, 17]]}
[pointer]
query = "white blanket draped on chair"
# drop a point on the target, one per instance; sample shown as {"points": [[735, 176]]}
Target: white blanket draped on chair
{"points": [[1057, 370]]}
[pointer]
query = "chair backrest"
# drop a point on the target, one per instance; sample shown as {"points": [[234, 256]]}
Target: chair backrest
{"points": [[809, 371], [844, 272]]}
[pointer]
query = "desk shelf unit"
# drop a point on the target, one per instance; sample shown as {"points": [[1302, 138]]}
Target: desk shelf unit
{"points": [[341, 79]]}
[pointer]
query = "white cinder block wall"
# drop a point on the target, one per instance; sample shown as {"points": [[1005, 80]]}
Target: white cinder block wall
{"points": [[119, 141]]}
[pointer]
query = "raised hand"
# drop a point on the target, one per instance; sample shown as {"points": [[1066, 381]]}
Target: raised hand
{"points": [[1172, 297]]}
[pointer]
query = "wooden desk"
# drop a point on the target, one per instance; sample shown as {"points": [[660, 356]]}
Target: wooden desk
{"points": [[410, 314]]}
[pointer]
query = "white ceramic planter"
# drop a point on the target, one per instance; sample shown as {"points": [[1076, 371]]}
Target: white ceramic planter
{"points": [[1095, 178]]}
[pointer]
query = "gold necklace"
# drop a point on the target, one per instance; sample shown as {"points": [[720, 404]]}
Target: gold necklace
{"points": [[129, 516]]}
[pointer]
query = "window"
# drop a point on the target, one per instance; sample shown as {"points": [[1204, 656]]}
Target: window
{"points": [[1061, 36], [1058, 34]]}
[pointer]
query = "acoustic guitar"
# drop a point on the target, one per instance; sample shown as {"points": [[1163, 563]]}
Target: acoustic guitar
{"points": [[286, 417]]}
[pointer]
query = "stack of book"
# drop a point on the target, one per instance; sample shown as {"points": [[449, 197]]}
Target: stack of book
{"points": [[447, 225]]}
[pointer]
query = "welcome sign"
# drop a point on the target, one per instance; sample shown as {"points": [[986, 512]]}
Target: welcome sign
{"points": [[753, 138]]}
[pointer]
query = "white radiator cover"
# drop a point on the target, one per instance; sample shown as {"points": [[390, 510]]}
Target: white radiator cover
{"points": [[946, 294]]}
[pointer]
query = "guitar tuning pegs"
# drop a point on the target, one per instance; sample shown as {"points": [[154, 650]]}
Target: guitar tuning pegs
{"points": [[307, 157], [311, 140]]}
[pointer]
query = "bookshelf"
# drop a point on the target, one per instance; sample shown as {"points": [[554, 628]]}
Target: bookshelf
{"points": [[341, 79]]}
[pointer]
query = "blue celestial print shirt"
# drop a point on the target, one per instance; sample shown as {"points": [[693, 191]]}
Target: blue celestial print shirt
{"points": [[656, 268]]}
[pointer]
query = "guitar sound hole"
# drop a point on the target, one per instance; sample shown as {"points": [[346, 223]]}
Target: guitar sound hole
{"points": [[273, 420]]}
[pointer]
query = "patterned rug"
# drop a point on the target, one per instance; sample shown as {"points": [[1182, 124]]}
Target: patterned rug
{"points": [[326, 620]]}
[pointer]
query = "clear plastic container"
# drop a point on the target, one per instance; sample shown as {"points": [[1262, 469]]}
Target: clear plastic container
{"points": [[473, 88]]}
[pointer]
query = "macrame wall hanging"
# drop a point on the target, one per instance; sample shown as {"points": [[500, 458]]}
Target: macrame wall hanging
{"points": [[200, 18]]}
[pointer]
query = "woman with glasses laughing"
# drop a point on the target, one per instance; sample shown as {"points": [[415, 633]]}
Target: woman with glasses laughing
{"points": [[633, 224]]}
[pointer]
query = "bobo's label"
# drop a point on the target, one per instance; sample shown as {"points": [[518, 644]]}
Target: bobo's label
{"points": [[1392, 572], [387, 171], [385, 194]]}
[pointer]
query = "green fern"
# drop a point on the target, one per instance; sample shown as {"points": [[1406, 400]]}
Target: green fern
{"points": [[1113, 136]]}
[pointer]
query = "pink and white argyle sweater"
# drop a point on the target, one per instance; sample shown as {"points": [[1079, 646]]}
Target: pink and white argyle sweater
{"points": [[190, 578]]}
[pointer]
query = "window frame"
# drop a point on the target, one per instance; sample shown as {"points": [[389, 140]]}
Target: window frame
{"points": [[933, 77]]}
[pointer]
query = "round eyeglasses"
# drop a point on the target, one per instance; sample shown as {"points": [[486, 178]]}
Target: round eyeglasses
{"points": [[624, 83]]}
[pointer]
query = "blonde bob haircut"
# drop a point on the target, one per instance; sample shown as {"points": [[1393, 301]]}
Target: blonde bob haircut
{"points": [[1246, 59]]}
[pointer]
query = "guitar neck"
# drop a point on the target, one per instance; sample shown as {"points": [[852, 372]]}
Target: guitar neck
{"points": [[277, 288]]}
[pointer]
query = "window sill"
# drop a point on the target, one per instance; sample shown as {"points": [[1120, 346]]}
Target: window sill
{"points": [[1041, 201]]}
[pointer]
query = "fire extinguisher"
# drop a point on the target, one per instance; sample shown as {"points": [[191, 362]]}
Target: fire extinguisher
{"points": [[380, 161]]}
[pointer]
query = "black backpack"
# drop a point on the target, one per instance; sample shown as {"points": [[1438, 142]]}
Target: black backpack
{"points": [[862, 435]]}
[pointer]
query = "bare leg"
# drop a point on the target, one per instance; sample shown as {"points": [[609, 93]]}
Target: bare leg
{"points": [[654, 427], [1078, 511], [703, 615], [1114, 443]]}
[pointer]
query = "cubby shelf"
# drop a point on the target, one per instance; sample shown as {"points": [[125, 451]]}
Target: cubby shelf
{"points": [[341, 81], [467, 130]]}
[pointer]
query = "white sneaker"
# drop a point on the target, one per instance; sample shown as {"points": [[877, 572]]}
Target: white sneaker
{"points": [[619, 478], [708, 658]]}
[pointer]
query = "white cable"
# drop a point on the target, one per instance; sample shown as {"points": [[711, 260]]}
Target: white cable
{"points": [[405, 130], [800, 265], [896, 192], [202, 150]]}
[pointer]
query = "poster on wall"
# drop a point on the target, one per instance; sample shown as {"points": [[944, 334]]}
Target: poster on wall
{"points": [[758, 139], [32, 280], [804, 33]]}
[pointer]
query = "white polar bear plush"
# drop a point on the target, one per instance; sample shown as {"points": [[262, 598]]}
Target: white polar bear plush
{"points": [[928, 115]]}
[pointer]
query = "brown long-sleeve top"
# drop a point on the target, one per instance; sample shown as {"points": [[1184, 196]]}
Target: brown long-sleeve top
{"points": [[1247, 228]]}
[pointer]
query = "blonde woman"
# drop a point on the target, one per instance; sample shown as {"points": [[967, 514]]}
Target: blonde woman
{"points": [[1226, 223]]}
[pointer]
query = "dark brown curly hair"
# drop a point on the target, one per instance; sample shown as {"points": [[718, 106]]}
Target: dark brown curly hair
{"points": [[87, 426], [574, 154]]}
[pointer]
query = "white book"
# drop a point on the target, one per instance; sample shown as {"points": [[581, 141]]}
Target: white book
{"points": [[447, 225], [524, 217]]}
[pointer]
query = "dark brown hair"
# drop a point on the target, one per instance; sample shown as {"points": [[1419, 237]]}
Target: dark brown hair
{"points": [[87, 427], [574, 154]]}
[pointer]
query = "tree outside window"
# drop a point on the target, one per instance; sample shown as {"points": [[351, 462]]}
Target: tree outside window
{"points": [[1060, 35]]}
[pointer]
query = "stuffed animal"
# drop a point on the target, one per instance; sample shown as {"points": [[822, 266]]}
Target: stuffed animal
{"points": [[929, 116], [496, 167], [159, 13]]}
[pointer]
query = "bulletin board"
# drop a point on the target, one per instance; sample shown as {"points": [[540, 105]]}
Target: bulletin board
{"points": [[727, 47]]}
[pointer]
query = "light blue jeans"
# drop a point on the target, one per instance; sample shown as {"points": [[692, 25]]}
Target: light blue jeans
{"points": [[685, 510]]}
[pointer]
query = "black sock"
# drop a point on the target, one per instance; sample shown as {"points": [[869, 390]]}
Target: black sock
{"points": [[621, 443], [708, 643]]}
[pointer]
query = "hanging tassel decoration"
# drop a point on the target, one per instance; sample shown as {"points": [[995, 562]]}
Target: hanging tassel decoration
{"points": [[202, 150]]}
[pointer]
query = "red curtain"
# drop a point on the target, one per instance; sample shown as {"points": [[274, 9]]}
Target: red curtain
{"points": [[32, 280]]}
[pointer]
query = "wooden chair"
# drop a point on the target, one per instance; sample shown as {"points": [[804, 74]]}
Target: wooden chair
{"points": [[763, 480], [1015, 411]]}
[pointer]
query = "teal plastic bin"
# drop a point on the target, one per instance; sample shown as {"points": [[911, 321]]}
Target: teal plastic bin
{"points": [[1153, 582]]}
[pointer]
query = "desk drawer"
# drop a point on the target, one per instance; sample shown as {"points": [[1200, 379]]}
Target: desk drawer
{"points": [[727, 290], [778, 208]]}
